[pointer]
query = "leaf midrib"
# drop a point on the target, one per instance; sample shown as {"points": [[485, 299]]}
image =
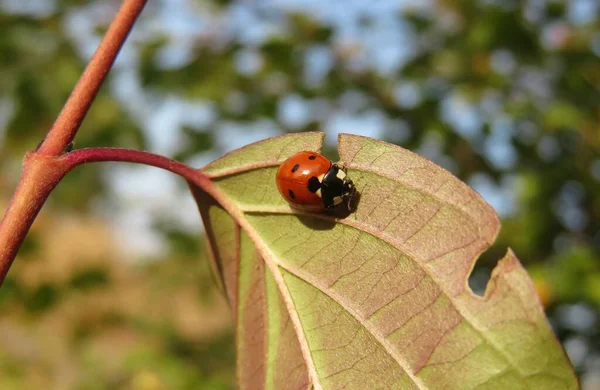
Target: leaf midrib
{"points": [[270, 259], [266, 253], [238, 213], [364, 227]]}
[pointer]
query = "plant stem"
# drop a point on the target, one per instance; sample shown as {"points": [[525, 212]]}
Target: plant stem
{"points": [[39, 177], [36, 185], [68, 122], [83, 156], [44, 168]]}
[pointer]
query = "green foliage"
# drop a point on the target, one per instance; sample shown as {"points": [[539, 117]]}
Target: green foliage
{"points": [[574, 274], [90, 278]]}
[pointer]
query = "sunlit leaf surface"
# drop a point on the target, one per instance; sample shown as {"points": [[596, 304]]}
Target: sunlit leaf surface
{"points": [[378, 299]]}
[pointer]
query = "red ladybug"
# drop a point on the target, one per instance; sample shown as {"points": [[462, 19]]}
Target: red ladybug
{"points": [[309, 181]]}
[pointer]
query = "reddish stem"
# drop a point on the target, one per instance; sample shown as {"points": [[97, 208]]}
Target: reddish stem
{"points": [[23, 210], [39, 177], [68, 122], [83, 156], [43, 169]]}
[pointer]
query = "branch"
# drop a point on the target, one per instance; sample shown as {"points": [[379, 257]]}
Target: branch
{"points": [[44, 168], [17, 220], [39, 177], [68, 122]]}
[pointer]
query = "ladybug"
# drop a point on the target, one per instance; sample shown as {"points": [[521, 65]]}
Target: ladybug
{"points": [[309, 181]]}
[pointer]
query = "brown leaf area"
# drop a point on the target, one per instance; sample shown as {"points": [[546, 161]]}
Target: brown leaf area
{"points": [[445, 226], [420, 208], [378, 299], [268, 352]]}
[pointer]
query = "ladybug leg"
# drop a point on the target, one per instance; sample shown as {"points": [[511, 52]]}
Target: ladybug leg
{"points": [[327, 196], [349, 201], [349, 192]]}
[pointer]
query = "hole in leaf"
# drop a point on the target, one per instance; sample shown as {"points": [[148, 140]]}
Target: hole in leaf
{"points": [[479, 279]]}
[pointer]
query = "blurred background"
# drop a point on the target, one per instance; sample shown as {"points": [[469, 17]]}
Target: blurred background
{"points": [[111, 288]]}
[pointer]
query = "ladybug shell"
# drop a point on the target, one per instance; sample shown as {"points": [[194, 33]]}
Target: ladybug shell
{"points": [[294, 176]]}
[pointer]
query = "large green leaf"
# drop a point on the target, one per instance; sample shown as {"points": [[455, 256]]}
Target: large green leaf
{"points": [[378, 299]]}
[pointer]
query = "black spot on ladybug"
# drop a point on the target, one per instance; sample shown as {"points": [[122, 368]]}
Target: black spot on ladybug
{"points": [[291, 194], [312, 157], [314, 184], [295, 168]]}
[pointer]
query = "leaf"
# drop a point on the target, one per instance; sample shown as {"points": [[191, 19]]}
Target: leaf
{"points": [[378, 299]]}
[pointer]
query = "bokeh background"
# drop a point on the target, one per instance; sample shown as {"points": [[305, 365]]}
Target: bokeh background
{"points": [[111, 288]]}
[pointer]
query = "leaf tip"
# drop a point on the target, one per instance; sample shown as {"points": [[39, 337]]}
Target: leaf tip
{"points": [[508, 263]]}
